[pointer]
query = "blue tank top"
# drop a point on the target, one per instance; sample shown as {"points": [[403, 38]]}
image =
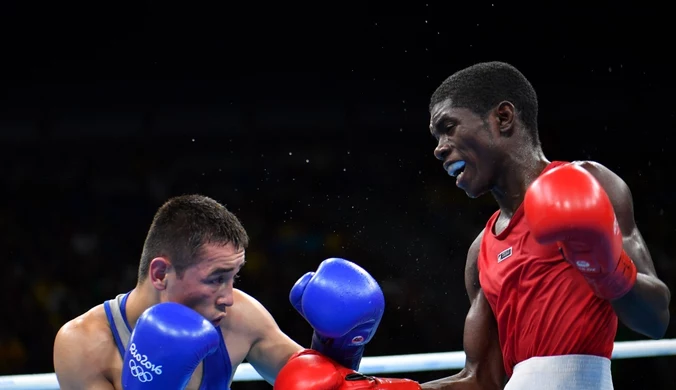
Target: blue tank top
{"points": [[217, 368]]}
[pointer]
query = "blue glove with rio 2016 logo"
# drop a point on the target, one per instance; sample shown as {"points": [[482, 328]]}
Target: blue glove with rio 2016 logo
{"points": [[167, 344]]}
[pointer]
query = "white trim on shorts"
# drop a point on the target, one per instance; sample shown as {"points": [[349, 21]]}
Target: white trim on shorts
{"points": [[569, 372]]}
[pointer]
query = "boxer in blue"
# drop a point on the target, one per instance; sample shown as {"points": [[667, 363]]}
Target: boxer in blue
{"points": [[184, 325]]}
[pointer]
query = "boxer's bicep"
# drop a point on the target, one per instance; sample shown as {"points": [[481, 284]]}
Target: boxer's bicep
{"points": [[78, 362], [645, 309], [482, 345], [472, 284], [271, 348], [483, 358], [480, 340], [621, 198]]}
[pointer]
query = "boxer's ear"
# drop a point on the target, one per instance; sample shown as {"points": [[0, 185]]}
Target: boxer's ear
{"points": [[159, 267], [505, 114]]}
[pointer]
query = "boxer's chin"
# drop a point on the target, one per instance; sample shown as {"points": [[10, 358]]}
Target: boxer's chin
{"points": [[462, 181], [466, 182], [471, 183]]}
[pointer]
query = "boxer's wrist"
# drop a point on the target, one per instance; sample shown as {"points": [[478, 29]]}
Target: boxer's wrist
{"points": [[618, 282], [335, 349]]}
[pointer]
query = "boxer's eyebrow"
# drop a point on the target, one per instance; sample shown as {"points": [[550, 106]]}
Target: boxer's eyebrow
{"points": [[222, 270]]}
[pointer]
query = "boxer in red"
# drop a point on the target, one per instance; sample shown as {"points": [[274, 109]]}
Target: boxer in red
{"points": [[559, 261]]}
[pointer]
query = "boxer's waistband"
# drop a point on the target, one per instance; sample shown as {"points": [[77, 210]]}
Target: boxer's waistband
{"points": [[572, 372]]}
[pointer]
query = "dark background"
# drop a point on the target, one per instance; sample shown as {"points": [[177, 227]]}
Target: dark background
{"points": [[310, 123]]}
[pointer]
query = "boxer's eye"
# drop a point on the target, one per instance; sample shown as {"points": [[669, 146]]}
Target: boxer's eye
{"points": [[450, 128], [218, 280]]}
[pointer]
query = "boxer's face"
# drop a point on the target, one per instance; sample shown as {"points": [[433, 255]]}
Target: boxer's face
{"points": [[207, 286], [466, 145]]}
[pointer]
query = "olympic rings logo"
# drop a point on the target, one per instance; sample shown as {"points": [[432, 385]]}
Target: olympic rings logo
{"points": [[143, 360], [139, 373]]}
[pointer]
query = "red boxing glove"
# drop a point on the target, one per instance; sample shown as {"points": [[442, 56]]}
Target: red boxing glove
{"points": [[567, 205], [310, 370]]}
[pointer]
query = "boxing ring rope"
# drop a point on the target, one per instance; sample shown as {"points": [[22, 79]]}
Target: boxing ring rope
{"points": [[378, 364]]}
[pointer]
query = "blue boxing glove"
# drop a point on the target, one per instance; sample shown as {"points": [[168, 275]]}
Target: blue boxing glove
{"points": [[168, 343], [344, 305]]}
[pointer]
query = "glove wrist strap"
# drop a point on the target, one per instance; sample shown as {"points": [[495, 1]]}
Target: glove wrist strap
{"points": [[346, 356], [618, 282]]}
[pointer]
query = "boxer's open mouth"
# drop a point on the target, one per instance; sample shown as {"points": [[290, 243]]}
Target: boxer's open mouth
{"points": [[455, 168]]}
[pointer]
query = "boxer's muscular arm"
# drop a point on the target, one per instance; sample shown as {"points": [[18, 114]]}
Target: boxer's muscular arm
{"points": [[80, 356], [483, 366], [645, 309], [271, 348]]}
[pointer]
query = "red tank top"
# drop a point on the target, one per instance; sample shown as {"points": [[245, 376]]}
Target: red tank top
{"points": [[543, 306]]}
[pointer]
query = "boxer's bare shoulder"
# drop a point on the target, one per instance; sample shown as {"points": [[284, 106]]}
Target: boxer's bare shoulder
{"points": [[85, 351], [251, 333], [615, 186], [245, 314], [248, 321], [241, 326]]}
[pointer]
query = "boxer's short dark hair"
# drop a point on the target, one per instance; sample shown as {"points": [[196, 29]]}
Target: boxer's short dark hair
{"points": [[481, 87], [181, 228]]}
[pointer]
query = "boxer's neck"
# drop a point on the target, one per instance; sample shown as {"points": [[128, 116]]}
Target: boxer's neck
{"points": [[140, 298], [518, 171]]}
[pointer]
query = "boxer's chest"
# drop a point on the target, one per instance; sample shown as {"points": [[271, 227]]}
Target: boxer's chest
{"points": [[514, 262]]}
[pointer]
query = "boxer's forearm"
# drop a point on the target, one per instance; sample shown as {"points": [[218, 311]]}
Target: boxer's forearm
{"points": [[443, 384], [645, 308]]}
